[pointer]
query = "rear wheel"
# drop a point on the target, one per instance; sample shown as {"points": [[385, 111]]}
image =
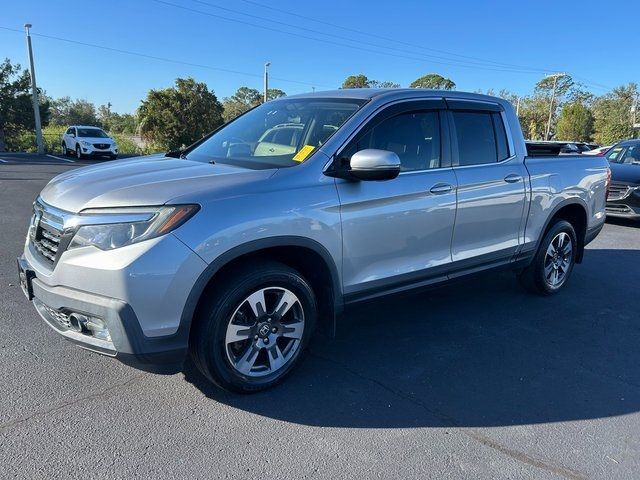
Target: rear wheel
{"points": [[551, 267], [253, 330]]}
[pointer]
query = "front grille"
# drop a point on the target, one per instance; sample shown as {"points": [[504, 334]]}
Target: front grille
{"points": [[47, 242], [618, 191], [45, 231], [102, 146], [613, 208]]}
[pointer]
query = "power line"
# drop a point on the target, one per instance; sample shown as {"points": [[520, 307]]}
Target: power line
{"points": [[388, 39], [376, 45], [162, 59], [330, 42]]}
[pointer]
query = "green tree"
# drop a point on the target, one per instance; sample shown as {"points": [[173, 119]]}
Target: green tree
{"points": [[274, 93], [172, 118], [113, 122], [383, 84], [65, 111], [16, 109], [433, 80], [244, 99], [356, 81], [362, 81], [613, 117], [575, 122]]}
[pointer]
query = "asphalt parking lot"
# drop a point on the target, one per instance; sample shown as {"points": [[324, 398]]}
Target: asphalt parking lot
{"points": [[474, 380]]}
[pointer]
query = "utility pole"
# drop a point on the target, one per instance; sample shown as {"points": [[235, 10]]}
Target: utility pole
{"points": [[266, 80], [34, 93], [518, 108], [555, 76], [634, 113]]}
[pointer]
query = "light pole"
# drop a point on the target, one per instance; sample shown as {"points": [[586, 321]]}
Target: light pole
{"points": [[634, 113], [555, 76], [34, 93], [266, 80]]}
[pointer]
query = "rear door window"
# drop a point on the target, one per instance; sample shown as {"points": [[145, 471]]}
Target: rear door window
{"points": [[476, 137]]}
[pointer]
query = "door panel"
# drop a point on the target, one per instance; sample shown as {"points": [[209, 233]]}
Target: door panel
{"points": [[399, 231], [491, 187], [395, 230], [490, 210]]}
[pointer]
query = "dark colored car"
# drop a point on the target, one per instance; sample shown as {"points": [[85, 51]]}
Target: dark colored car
{"points": [[624, 193]]}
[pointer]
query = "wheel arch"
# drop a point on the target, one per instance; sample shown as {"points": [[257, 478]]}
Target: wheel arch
{"points": [[305, 255], [574, 211]]}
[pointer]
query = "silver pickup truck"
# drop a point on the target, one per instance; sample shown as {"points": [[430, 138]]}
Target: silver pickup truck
{"points": [[236, 248]]}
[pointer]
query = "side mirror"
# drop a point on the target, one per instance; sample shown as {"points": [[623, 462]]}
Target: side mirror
{"points": [[372, 164]]}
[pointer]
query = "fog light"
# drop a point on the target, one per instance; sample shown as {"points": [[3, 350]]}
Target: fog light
{"points": [[98, 328]]}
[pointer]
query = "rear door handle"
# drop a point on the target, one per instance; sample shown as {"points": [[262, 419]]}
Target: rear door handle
{"points": [[513, 178], [440, 188]]}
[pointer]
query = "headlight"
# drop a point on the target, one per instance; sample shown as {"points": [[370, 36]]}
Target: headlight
{"points": [[109, 228], [86, 144]]}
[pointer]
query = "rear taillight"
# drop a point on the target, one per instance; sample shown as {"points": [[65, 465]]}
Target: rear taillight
{"points": [[608, 184]]}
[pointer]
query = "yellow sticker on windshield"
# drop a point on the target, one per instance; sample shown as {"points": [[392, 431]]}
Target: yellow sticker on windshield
{"points": [[303, 153]]}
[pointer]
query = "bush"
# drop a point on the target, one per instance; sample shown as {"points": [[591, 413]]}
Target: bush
{"points": [[126, 145], [25, 141]]}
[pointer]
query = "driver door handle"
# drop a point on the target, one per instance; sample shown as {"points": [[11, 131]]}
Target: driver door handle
{"points": [[513, 178], [440, 188]]}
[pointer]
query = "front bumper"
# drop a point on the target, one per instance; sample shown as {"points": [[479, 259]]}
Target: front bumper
{"points": [[127, 342], [627, 203], [91, 150], [140, 292]]}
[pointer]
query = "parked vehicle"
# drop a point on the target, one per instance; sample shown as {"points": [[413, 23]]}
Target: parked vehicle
{"points": [[599, 151], [85, 141], [624, 194], [234, 254]]}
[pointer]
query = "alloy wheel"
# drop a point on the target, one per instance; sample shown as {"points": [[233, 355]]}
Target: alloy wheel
{"points": [[264, 332], [557, 260]]}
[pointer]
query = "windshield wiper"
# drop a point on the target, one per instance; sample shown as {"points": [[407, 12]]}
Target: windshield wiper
{"points": [[175, 154]]}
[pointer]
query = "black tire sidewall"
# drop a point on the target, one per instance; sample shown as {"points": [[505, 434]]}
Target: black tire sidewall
{"points": [[211, 346], [539, 276]]}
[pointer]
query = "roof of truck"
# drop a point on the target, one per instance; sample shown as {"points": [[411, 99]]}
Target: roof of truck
{"points": [[370, 93]]}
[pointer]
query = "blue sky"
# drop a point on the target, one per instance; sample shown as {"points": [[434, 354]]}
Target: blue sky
{"points": [[479, 45]]}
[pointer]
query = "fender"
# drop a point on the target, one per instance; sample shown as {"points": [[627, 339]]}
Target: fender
{"points": [[556, 209], [250, 247]]}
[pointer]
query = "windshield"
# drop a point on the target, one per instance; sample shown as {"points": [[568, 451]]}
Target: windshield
{"points": [[92, 132], [281, 133], [629, 155]]}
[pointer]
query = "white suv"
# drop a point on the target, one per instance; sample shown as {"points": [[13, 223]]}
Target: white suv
{"points": [[84, 141]]}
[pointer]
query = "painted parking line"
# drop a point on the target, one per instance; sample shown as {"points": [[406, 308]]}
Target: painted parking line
{"points": [[3, 160], [63, 159]]}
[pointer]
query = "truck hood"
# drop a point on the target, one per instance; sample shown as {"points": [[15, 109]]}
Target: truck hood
{"points": [[142, 181]]}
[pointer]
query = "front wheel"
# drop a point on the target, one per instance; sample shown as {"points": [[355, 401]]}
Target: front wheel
{"points": [[551, 267], [79, 155], [65, 152], [254, 328]]}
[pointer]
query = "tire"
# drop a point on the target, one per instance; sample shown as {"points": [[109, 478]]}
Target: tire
{"points": [[553, 263], [79, 155], [65, 152], [257, 357], [113, 157]]}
